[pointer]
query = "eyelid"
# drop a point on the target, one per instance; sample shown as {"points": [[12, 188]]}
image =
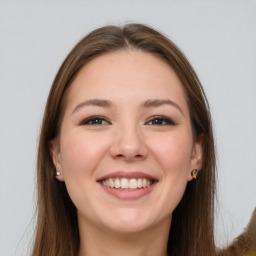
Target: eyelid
{"points": [[168, 120], [86, 121]]}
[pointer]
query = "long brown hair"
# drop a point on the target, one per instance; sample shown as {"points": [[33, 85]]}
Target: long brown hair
{"points": [[191, 232]]}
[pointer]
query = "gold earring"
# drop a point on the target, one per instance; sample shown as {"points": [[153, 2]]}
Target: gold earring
{"points": [[194, 173], [57, 173]]}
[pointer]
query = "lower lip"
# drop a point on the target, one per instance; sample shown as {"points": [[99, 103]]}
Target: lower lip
{"points": [[129, 194]]}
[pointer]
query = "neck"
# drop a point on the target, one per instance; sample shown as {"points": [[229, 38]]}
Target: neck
{"points": [[96, 242]]}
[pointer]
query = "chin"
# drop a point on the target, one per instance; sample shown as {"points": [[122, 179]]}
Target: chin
{"points": [[125, 228], [129, 222]]}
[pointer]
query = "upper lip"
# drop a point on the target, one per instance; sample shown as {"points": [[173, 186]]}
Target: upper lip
{"points": [[128, 175]]}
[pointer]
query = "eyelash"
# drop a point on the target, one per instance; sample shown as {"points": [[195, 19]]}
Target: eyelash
{"points": [[156, 120], [162, 119], [96, 119]]}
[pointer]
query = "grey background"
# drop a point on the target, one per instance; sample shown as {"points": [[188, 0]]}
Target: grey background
{"points": [[218, 37]]}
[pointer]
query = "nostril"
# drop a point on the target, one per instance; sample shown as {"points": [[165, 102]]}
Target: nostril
{"points": [[128, 150], [129, 157]]}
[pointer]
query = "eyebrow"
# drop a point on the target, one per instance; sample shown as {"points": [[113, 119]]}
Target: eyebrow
{"points": [[147, 104], [158, 103], [93, 102]]}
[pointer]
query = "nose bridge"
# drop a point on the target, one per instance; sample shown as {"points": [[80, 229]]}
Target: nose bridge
{"points": [[129, 141]]}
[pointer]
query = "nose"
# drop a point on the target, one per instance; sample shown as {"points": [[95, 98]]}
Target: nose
{"points": [[128, 144]]}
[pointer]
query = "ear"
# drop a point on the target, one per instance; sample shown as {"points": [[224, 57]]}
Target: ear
{"points": [[196, 161], [55, 154]]}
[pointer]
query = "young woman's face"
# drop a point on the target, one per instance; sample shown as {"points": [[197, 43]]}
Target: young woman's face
{"points": [[126, 151]]}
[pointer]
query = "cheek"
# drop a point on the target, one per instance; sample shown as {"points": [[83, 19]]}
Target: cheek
{"points": [[80, 157], [169, 155], [173, 152], [80, 154]]}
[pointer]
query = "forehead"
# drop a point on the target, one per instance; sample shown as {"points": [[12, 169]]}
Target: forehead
{"points": [[127, 75]]}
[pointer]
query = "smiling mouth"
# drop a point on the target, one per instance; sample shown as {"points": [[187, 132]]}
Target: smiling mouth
{"points": [[126, 184]]}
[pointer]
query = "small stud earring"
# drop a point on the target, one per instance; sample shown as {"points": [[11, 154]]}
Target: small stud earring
{"points": [[57, 173], [194, 173]]}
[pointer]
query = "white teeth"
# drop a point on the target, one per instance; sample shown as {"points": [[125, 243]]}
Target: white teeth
{"points": [[117, 183], [144, 183], [139, 183], [111, 183], [132, 183], [127, 184], [124, 183]]}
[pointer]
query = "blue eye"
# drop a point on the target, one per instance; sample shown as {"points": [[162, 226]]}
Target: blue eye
{"points": [[95, 120], [161, 121]]}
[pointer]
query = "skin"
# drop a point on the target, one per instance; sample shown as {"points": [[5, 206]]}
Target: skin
{"points": [[126, 139]]}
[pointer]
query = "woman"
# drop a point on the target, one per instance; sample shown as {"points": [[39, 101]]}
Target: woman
{"points": [[125, 131]]}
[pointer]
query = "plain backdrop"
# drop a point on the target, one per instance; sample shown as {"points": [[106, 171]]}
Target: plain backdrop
{"points": [[219, 39]]}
